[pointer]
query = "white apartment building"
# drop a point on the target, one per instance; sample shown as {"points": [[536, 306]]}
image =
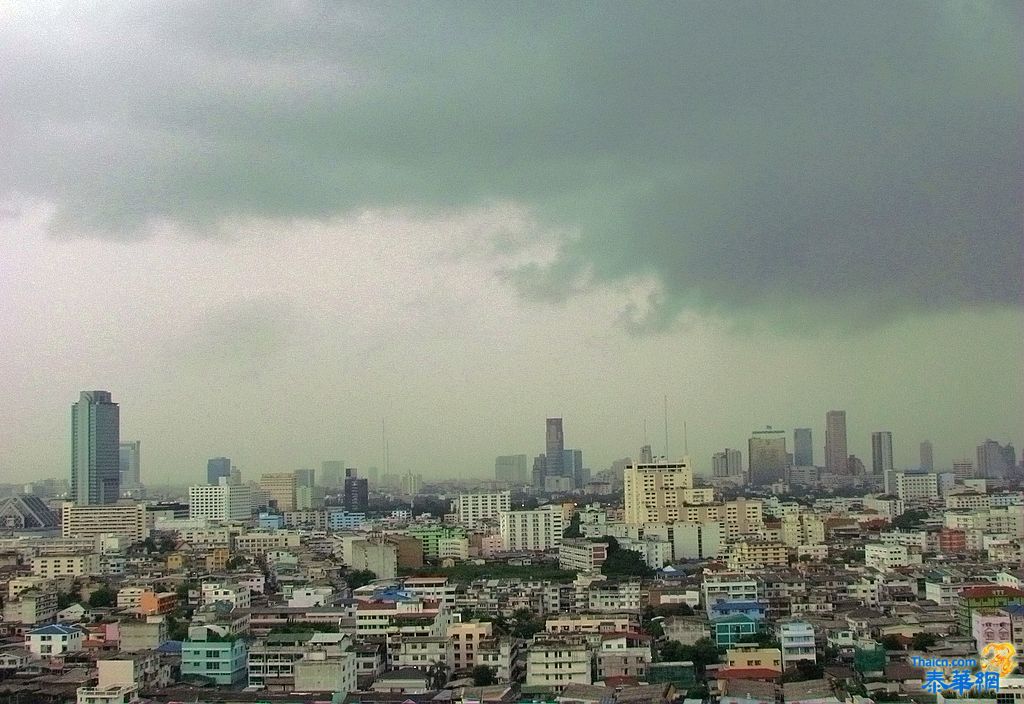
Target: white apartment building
{"points": [[656, 492], [914, 486], [582, 555], [471, 510], [379, 557], [423, 652], [224, 502], [466, 639], [258, 542], [882, 556], [558, 663], [126, 519], [727, 587], [238, 597], [537, 530], [66, 565], [796, 640], [968, 501]]}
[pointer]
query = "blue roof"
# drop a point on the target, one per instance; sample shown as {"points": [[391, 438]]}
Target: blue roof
{"points": [[1013, 609], [723, 605], [55, 629], [170, 646]]}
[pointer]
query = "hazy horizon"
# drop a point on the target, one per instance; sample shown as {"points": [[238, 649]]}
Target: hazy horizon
{"points": [[265, 229]]}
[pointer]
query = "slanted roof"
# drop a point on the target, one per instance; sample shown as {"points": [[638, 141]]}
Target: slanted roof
{"points": [[55, 629]]}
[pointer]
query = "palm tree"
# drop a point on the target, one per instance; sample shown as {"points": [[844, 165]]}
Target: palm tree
{"points": [[438, 674]]}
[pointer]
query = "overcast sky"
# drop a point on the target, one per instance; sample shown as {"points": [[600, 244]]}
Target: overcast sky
{"points": [[265, 227]]}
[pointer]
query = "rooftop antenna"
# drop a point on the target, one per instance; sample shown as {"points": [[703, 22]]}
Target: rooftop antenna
{"points": [[666, 426]]}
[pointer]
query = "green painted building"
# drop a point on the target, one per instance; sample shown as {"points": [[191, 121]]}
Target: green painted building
{"points": [[727, 631]]}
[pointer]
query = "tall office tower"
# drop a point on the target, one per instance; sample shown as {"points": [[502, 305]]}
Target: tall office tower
{"points": [[332, 473], [95, 449], [836, 455], [280, 489], [995, 461], [660, 492], [572, 466], [881, 452], [927, 456], [372, 475], [411, 484], [305, 477], [803, 448], [129, 471], [963, 469], [555, 445], [356, 498], [216, 468], [727, 463], [235, 477], [510, 469], [540, 463], [646, 456], [767, 457]]}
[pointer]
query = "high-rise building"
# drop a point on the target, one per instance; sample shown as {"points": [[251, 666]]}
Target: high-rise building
{"points": [[540, 463], [727, 463], [660, 492], [411, 484], [963, 469], [235, 477], [356, 498], [280, 489], [511, 469], [836, 455], [332, 473], [554, 459], [995, 461], [572, 467], [927, 456], [224, 502], [803, 448], [95, 449], [471, 510], [767, 458], [305, 477], [881, 452], [216, 468], [646, 455], [129, 465]]}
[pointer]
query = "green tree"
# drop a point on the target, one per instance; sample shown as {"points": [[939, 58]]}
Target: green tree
{"points": [[923, 641], [573, 529], [483, 676], [103, 597], [623, 563], [438, 674], [702, 653], [891, 642], [909, 520], [359, 578], [525, 624], [237, 562], [66, 599]]}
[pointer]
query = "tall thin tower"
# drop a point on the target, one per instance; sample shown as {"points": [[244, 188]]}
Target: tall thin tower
{"points": [[836, 455], [95, 449], [554, 447]]}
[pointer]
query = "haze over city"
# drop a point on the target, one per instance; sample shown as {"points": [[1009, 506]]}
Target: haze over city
{"points": [[265, 231]]}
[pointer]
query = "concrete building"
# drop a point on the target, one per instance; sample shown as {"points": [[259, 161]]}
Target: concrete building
{"points": [[881, 452], [537, 530], [472, 510], [356, 498], [558, 663], [55, 640], [803, 447], [222, 502], [914, 486], [219, 658], [130, 466], [280, 488], [582, 555], [466, 640], [512, 469], [379, 557], [767, 458], [995, 461], [963, 469], [51, 566], [927, 456], [332, 473], [95, 449], [217, 468], [659, 492], [554, 444], [127, 519], [728, 464], [836, 454]]}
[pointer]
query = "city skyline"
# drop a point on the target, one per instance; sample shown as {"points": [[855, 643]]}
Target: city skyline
{"points": [[278, 228]]}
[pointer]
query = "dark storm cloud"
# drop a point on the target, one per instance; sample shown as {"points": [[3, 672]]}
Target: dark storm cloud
{"points": [[857, 156]]}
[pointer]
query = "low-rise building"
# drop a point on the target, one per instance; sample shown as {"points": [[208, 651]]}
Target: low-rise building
{"points": [[55, 640]]}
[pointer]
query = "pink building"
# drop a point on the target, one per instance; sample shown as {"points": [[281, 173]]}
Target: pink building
{"points": [[990, 626], [491, 545]]}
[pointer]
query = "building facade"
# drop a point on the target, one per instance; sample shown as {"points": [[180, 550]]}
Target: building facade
{"points": [[95, 449]]}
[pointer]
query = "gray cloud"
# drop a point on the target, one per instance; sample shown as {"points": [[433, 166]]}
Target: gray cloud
{"points": [[859, 158]]}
